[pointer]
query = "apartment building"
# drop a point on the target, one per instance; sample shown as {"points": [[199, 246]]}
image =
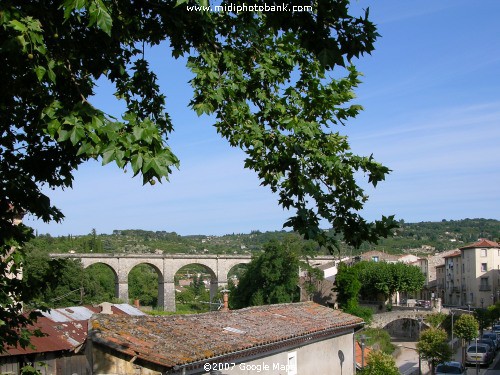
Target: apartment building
{"points": [[452, 279], [480, 273], [472, 275], [440, 281]]}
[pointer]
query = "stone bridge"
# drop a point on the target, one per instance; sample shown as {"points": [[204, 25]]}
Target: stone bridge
{"points": [[383, 319], [166, 266], [402, 322]]}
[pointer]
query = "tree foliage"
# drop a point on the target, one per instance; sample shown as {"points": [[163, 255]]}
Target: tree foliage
{"points": [[379, 363], [436, 320], [143, 286], [272, 277], [484, 317], [370, 279], [466, 327], [382, 278], [266, 77], [64, 282], [433, 346]]}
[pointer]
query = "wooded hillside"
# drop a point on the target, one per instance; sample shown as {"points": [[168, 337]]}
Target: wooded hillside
{"points": [[409, 237]]}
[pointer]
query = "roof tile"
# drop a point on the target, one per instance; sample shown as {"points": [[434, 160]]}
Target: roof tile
{"points": [[175, 340]]}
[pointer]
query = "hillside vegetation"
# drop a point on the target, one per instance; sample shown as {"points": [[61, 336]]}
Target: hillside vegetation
{"points": [[409, 237]]}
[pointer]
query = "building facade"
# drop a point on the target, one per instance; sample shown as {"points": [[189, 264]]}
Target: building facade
{"points": [[480, 273], [472, 275]]}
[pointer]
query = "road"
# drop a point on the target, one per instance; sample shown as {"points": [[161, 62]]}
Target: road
{"points": [[407, 361], [493, 369]]}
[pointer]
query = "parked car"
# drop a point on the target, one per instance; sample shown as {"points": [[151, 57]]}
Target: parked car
{"points": [[480, 353], [492, 336], [488, 342], [451, 367], [423, 303]]}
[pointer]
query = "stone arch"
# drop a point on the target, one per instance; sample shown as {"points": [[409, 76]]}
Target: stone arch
{"points": [[407, 327], [110, 267], [126, 265], [208, 267], [234, 267], [160, 283]]}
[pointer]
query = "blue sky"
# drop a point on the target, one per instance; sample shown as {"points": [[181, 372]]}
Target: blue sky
{"points": [[431, 93]]}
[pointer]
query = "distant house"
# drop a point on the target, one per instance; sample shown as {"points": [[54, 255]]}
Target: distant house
{"points": [[295, 338], [60, 351], [379, 256]]}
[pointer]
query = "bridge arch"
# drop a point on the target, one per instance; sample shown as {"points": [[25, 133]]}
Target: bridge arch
{"points": [[151, 273], [401, 323], [111, 270]]}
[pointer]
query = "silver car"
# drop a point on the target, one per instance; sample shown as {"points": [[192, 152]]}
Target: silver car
{"points": [[479, 353]]}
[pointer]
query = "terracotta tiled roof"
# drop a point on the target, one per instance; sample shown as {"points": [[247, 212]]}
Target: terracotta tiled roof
{"points": [[359, 354], [481, 243], [457, 253], [183, 339]]}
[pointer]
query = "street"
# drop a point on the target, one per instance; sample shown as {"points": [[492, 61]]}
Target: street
{"points": [[407, 361]]}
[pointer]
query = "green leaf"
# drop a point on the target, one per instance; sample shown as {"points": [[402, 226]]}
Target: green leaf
{"points": [[108, 156], [104, 21], [51, 75], [40, 72], [16, 25], [136, 162]]}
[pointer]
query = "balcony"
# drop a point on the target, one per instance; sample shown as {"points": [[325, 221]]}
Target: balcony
{"points": [[484, 288], [456, 289]]}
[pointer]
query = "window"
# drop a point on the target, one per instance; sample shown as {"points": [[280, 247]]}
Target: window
{"points": [[292, 363], [484, 267], [483, 253], [375, 258]]}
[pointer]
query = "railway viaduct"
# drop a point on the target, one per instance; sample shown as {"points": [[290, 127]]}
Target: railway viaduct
{"points": [[166, 266]]}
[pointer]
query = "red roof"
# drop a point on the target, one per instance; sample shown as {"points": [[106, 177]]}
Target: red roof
{"points": [[184, 339], [65, 328], [482, 243], [359, 354], [60, 336], [454, 254]]}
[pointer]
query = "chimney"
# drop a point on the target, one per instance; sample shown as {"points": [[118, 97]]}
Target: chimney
{"points": [[225, 300], [106, 308]]}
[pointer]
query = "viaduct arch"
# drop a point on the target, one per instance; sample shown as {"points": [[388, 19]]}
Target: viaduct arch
{"points": [[167, 265]]}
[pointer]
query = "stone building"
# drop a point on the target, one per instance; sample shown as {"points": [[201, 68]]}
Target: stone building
{"points": [[294, 338]]}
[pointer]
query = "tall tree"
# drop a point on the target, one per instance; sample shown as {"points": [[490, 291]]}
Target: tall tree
{"points": [[466, 327], [433, 346], [265, 76], [272, 277]]}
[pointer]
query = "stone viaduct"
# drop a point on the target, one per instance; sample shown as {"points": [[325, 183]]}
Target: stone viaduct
{"points": [[382, 320], [166, 266]]}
